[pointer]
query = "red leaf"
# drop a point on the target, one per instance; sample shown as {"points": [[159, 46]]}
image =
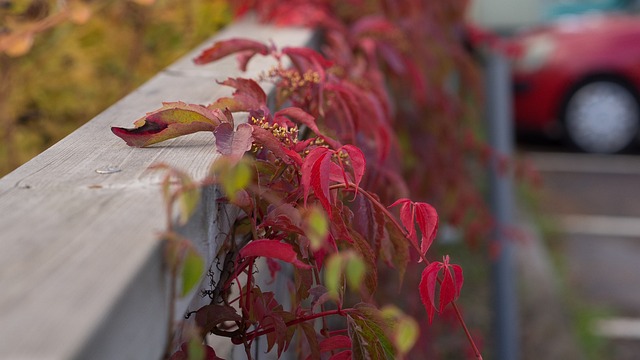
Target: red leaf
{"points": [[458, 277], [343, 355], [284, 217], [358, 162], [247, 87], [310, 15], [427, 287], [172, 120], [320, 173], [427, 219], [310, 56], [307, 169], [374, 25], [227, 47], [335, 342], [449, 289], [273, 249], [407, 216], [209, 316], [183, 353], [233, 144]]}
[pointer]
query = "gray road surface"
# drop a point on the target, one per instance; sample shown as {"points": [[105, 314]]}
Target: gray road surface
{"points": [[596, 200]]}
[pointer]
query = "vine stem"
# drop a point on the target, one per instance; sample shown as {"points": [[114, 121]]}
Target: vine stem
{"points": [[257, 333], [353, 187]]}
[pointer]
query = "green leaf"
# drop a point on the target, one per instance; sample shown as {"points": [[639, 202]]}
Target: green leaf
{"points": [[333, 274], [317, 227], [232, 178], [405, 329], [370, 329], [188, 201], [358, 345], [355, 271], [192, 270], [196, 349], [407, 333]]}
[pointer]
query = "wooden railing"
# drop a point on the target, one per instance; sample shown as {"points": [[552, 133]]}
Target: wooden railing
{"points": [[82, 274]]}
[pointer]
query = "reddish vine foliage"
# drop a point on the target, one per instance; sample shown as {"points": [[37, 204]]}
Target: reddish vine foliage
{"points": [[312, 176]]}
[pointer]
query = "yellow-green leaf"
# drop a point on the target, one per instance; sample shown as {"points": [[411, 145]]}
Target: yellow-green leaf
{"points": [[188, 203], [317, 227], [407, 333], [232, 178], [355, 270], [196, 349], [333, 274], [192, 270], [405, 328]]}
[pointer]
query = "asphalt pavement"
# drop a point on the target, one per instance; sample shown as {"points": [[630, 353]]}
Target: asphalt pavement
{"points": [[595, 202]]}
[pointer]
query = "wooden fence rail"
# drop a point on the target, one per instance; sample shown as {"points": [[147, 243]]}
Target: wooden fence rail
{"points": [[81, 266]]}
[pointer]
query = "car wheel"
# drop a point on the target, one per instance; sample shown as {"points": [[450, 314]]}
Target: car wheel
{"points": [[602, 116]]}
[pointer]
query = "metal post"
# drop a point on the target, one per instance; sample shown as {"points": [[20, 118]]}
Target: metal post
{"points": [[500, 130]]}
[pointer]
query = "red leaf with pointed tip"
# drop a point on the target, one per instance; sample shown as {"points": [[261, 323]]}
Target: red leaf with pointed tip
{"points": [[172, 120], [273, 249], [307, 169], [407, 217], [427, 219], [320, 174], [227, 47], [233, 144], [358, 162], [427, 287], [458, 277]]}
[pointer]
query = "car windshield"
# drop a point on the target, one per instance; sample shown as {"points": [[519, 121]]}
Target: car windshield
{"points": [[560, 8]]}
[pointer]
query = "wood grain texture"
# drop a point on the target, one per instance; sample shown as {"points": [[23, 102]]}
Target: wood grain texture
{"points": [[81, 266]]}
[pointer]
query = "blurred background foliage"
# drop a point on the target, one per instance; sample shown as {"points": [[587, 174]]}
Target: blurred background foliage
{"points": [[63, 62]]}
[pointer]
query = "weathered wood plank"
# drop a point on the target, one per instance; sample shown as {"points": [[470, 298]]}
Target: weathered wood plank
{"points": [[81, 269]]}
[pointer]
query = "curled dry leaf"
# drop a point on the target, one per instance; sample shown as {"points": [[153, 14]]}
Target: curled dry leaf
{"points": [[172, 120]]}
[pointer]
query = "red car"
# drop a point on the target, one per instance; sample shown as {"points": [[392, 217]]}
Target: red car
{"points": [[580, 78]]}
